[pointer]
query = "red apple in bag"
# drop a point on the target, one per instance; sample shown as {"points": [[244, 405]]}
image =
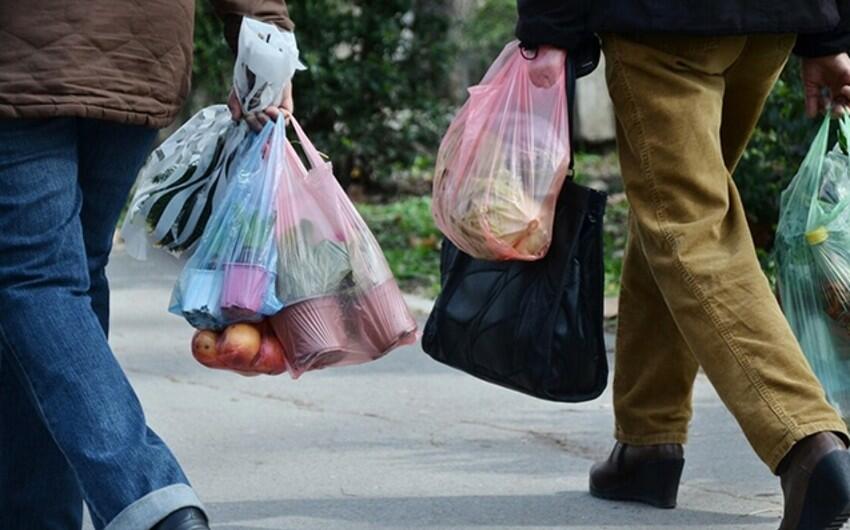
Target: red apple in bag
{"points": [[271, 359], [239, 346], [205, 348]]}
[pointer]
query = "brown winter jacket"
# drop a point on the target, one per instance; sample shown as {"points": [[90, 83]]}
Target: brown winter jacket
{"points": [[128, 61]]}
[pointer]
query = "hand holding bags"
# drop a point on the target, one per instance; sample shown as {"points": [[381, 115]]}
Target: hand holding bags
{"points": [[183, 181]]}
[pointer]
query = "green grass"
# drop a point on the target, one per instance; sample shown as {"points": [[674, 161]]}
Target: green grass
{"points": [[411, 242], [615, 230]]}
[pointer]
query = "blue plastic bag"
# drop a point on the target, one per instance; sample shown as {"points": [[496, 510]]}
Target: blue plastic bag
{"points": [[232, 275]]}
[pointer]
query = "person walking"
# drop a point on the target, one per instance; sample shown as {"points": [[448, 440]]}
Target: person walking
{"points": [[688, 80], [84, 86]]}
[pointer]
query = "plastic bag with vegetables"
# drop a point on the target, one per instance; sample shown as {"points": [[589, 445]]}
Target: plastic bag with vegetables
{"points": [[813, 253], [342, 304], [502, 163]]}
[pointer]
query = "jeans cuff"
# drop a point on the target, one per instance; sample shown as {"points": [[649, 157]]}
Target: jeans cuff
{"points": [[154, 507]]}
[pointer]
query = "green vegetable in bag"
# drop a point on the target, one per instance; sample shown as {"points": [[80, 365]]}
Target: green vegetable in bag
{"points": [[500, 209], [324, 265]]}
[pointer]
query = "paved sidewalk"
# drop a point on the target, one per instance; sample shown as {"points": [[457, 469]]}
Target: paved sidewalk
{"points": [[403, 442]]}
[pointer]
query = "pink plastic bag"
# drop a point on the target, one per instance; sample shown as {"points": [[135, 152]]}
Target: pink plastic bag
{"points": [[341, 303], [502, 163]]}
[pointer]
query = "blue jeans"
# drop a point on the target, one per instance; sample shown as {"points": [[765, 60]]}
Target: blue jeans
{"points": [[71, 427]]}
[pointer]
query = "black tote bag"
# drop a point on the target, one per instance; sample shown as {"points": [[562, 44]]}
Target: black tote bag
{"points": [[535, 327]]}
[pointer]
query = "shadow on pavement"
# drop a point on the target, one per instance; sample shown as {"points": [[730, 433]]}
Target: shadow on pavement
{"points": [[557, 511]]}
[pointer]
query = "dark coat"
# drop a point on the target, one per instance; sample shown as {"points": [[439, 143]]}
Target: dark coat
{"points": [[823, 26]]}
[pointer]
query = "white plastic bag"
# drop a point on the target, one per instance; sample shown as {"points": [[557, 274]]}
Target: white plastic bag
{"points": [[265, 65], [181, 182]]}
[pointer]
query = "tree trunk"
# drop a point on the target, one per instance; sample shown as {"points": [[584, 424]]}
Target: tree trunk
{"points": [[461, 11]]}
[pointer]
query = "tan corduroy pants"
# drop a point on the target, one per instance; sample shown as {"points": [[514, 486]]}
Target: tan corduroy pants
{"points": [[693, 293]]}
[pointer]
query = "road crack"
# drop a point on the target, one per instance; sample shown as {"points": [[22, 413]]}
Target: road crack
{"points": [[755, 498], [557, 441]]}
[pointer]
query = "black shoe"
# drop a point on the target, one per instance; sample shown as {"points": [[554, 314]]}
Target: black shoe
{"points": [[184, 519], [648, 474], [816, 483]]}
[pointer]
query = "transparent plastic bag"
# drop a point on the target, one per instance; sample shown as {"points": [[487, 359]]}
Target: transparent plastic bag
{"points": [[813, 253], [231, 276], [181, 184], [342, 304], [502, 164]]}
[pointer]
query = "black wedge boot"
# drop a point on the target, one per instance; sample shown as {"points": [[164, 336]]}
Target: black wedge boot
{"points": [[816, 484], [648, 474]]}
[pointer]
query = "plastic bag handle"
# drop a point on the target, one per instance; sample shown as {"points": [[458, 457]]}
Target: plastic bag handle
{"points": [[313, 157], [570, 88], [844, 133], [844, 145], [816, 157], [822, 141]]}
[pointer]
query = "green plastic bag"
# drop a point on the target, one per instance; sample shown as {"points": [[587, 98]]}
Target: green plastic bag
{"points": [[813, 254]]}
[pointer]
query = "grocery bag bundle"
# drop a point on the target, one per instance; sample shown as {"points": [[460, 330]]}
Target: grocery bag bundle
{"points": [[284, 275], [813, 254], [288, 267], [502, 164]]}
